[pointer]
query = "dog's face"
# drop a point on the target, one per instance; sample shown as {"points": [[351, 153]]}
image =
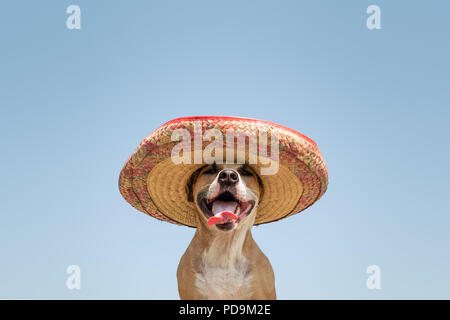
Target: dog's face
{"points": [[234, 188]]}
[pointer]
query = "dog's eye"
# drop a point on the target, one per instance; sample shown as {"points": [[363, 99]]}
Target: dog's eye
{"points": [[212, 170], [245, 172]]}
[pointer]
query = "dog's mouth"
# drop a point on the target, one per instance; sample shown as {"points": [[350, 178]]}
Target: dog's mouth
{"points": [[226, 210]]}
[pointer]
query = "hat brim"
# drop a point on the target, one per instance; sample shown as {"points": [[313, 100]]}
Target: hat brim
{"points": [[155, 185]]}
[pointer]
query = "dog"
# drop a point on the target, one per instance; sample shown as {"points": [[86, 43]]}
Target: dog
{"points": [[223, 261]]}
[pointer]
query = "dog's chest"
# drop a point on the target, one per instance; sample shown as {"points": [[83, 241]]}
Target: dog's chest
{"points": [[232, 281]]}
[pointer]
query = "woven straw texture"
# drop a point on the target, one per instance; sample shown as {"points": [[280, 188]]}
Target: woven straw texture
{"points": [[152, 183]]}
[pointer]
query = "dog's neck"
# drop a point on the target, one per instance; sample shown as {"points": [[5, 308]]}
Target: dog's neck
{"points": [[222, 264], [225, 248]]}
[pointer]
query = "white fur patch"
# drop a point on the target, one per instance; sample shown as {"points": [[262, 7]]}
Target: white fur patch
{"points": [[232, 282], [225, 272]]}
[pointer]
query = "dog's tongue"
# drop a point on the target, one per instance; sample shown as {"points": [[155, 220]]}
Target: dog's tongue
{"points": [[223, 212]]}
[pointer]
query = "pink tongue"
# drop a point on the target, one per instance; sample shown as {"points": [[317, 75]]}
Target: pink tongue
{"points": [[223, 212]]}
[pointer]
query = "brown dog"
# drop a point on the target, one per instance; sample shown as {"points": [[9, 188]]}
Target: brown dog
{"points": [[222, 260]]}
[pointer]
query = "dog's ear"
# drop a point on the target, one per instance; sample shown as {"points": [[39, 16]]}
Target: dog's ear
{"points": [[261, 186], [191, 182], [258, 178]]}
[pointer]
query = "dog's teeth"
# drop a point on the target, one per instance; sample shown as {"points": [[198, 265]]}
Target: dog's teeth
{"points": [[220, 206], [238, 210]]}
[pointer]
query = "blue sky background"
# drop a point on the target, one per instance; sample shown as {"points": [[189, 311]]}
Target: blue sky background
{"points": [[75, 103]]}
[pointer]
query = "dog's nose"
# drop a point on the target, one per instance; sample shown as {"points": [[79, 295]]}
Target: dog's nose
{"points": [[228, 177]]}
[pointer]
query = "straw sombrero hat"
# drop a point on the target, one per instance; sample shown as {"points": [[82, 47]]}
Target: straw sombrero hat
{"points": [[154, 183]]}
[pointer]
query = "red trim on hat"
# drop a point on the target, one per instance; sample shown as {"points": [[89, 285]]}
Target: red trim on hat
{"points": [[227, 118]]}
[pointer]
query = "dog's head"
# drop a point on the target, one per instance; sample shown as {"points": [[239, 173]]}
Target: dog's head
{"points": [[220, 188]]}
